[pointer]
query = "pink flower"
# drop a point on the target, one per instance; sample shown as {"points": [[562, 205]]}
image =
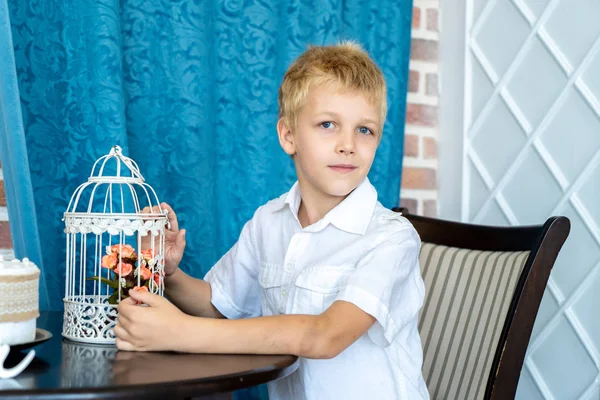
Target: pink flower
{"points": [[125, 250], [110, 261], [145, 273], [147, 254], [124, 269], [157, 278]]}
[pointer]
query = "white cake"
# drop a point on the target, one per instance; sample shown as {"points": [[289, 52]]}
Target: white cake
{"points": [[19, 299]]}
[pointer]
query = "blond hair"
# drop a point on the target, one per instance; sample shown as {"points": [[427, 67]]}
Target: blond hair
{"points": [[345, 64]]}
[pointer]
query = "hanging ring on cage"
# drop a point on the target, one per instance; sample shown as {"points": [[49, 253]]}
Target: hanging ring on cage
{"points": [[7, 373], [116, 149]]}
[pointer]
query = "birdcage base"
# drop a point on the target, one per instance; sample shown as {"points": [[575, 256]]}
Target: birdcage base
{"points": [[89, 319]]}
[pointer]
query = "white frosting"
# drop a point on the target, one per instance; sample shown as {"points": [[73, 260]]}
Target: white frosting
{"points": [[12, 333], [16, 267]]}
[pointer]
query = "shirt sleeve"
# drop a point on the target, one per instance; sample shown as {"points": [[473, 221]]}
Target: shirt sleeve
{"points": [[387, 284], [233, 280]]}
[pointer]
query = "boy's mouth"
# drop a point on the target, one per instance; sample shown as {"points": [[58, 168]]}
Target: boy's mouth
{"points": [[343, 168]]}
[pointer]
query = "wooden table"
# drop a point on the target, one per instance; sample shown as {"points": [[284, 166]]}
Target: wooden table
{"points": [[63, 369]]}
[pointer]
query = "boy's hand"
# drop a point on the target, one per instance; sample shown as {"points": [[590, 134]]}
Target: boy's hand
{"points": [[174, 239], [153, 328]]}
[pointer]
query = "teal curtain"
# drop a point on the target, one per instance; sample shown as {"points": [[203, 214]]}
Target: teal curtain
{"points": [[13, 154], [188, 89]]}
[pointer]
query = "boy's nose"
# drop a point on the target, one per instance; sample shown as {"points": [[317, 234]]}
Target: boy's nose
{"points": [[346, 144]]}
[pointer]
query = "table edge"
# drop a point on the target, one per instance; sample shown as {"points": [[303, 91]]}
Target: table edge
{"points": [[184, 388]]}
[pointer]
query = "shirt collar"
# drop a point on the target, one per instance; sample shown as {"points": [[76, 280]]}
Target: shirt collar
{"points": [[352, 215], [293, 199], [355, 212]]}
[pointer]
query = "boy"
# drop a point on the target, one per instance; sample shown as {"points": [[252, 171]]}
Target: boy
{"points": [[324, 272]]}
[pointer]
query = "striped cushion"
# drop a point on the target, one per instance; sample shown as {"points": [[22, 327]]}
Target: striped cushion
{"points": [[467, 297]]}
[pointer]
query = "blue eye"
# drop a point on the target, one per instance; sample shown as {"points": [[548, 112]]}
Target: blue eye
{"points": [[365, 130], [326, 124]]}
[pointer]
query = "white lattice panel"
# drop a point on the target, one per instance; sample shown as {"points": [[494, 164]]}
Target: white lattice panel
{"points": [[532, 150]]}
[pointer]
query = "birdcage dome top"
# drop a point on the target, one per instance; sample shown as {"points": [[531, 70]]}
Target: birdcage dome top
{"points": [[113, 197], [127, 170]]}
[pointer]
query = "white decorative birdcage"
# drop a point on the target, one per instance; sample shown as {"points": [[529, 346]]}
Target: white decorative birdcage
{"points": [[113, 245]]}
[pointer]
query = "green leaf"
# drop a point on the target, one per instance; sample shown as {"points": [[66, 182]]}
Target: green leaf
{"points": [[114, 298], [112, 284]]}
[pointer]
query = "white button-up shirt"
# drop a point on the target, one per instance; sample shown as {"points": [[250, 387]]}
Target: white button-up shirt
{"points": [[359, 252]]}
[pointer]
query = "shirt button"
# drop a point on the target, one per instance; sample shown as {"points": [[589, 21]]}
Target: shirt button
{"points": [[289, 267], [284, 293]]}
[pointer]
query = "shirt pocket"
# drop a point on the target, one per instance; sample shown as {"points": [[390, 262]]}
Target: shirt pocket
{"points": [[271, 283], [317, 288]]}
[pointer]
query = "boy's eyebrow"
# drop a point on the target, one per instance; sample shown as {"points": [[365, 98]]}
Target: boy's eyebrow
{"points": [[368, 120], [330, 113], [336, 115]]}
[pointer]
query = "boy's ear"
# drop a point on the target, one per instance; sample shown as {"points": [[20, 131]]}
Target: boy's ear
{"points": [[286, 137]]}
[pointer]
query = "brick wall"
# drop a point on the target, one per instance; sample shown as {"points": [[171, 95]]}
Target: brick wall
{"points": [[5, 239], [419, 192]]}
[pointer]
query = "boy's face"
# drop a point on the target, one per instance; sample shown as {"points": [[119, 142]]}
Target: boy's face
{"points": [[334, 142]]}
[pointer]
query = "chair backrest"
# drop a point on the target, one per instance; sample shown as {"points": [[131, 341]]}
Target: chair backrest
{"points": [[483, 290]]}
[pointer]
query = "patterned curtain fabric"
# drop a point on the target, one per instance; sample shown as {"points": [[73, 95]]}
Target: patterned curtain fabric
{"points": [[188, 89], [13, 154]]}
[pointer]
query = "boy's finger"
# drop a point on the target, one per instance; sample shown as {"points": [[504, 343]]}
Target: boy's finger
{"points": [[123, 310], [145, 297], [123, 319], [127, 301], [123, 345], [180, 239], [172, 217], [120, 332]]}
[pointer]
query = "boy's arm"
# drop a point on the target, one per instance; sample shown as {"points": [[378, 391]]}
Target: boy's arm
{"points": [[311, 336], [162, 327], [190, 295]]}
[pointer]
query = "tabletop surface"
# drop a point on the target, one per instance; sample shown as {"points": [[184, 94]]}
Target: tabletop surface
{"points": [[63, 369]]}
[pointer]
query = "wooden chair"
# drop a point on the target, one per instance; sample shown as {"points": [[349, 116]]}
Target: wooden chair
{"points": [[483, 290]]}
